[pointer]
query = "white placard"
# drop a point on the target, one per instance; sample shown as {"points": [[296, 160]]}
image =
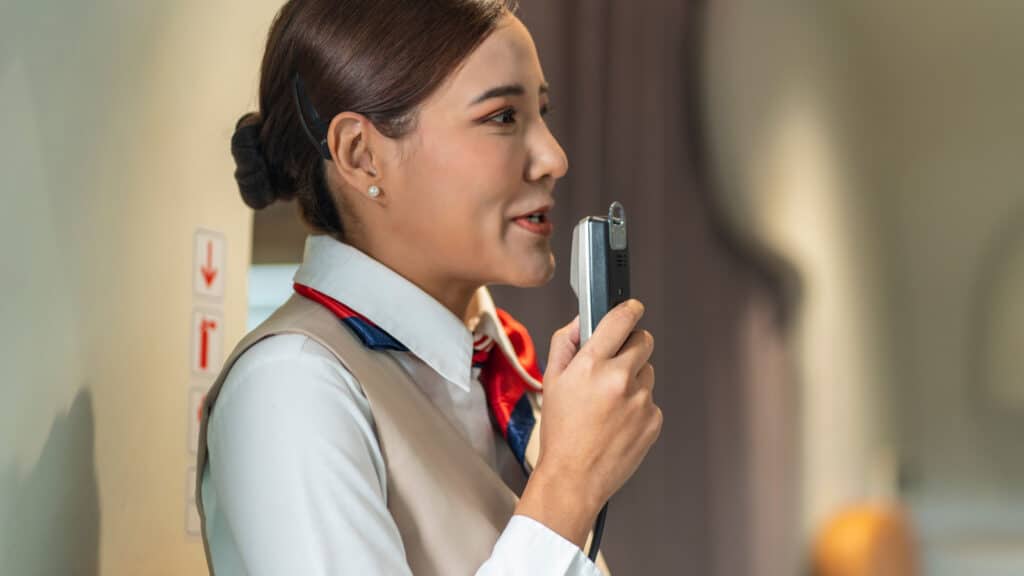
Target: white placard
{"points": [[207, 341], [208, 264]]}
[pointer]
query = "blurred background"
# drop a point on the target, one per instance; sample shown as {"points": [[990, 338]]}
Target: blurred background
{"points": [[827, 227]]}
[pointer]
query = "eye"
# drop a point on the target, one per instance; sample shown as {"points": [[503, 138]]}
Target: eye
{"points": [[508, 115]]}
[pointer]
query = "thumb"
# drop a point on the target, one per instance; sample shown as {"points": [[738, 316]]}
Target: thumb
{"points": [[565, 342]]}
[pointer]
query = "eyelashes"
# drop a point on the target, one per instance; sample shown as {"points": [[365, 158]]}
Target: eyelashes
{"points": [[509, 114]]}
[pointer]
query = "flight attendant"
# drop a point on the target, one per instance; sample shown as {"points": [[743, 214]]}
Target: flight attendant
{"points": [[387, 418]]}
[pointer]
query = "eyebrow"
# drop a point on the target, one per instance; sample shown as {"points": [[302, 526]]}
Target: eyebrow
{"points": [[506, 90]]}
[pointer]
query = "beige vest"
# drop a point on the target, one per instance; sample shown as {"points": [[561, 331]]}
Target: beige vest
{"points": [[449, 505]]}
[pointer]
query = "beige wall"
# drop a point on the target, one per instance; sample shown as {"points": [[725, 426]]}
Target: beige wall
{"points": [[782, 119], [878, 146], [945, 93], [116, 118]]}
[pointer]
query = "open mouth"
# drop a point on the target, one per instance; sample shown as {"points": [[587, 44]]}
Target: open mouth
{"points": [[537, 223]]}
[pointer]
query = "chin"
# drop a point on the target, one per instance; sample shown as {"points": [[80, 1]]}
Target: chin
{"points": [[536, 271]]}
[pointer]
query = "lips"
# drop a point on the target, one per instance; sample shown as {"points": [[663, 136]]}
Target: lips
{"points": [[536, 220], [541, 226], [544, 209]]}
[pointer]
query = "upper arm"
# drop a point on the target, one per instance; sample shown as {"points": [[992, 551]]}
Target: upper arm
{"points": [[298, 473]]}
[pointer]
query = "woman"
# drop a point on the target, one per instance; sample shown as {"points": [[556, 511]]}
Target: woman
{"points": [[373, 425]]}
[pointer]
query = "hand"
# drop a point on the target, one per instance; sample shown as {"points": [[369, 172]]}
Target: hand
{"points": [[599, 421]]}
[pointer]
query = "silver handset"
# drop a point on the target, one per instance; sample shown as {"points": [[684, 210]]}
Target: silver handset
{"points": [[599, 270], [599, 275]]}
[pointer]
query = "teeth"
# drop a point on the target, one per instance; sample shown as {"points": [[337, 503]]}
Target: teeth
{"points": [[536, 218]]}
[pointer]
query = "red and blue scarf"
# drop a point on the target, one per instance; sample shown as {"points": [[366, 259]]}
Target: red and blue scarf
{"points": [[510, 407]]}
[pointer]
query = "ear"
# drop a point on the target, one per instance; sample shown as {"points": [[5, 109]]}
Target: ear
{"points": [[352, 139]]}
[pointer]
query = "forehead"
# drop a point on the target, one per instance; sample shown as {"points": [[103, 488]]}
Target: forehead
{"points": [[507, 56]]}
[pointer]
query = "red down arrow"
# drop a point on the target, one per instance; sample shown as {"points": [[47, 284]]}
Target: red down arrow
{"points": [[209, 272]]}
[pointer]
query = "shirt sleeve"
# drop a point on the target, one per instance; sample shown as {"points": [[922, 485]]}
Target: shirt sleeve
{"points": [[300, 479], [527, 547]]}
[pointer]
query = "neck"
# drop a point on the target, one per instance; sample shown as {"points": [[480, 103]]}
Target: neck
{"points": [[455, 295]]}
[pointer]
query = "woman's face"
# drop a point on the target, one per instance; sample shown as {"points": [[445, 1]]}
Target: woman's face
{"points": [[480, 156]]}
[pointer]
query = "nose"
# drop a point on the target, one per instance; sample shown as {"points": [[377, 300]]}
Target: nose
{"points": [[547, 158]]}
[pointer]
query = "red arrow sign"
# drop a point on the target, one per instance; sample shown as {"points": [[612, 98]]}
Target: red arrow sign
{"points": [[209, 272], [204, 341]]}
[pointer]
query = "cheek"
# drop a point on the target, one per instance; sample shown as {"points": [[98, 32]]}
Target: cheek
{"points": [[466, 185], [483, 162]]}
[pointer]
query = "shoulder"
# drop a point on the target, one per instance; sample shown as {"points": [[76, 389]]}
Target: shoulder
{"points": [[297, 356], [287, 374]]}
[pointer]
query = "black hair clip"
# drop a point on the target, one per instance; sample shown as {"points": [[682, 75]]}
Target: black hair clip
{"points": [[315, 128]]}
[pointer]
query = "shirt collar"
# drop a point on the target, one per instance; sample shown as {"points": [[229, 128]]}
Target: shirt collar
{"points": [[402, 309]]}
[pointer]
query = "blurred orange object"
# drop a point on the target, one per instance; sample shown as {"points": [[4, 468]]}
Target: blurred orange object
{"points": [[868, 540]]}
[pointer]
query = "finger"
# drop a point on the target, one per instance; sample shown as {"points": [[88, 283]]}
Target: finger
{"points": [[646, 377], [613, 330], [635, 352], [573, 329], [565, 342]]}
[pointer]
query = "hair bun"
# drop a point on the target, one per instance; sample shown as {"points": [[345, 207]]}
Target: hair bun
{"points": [[251, 171]]}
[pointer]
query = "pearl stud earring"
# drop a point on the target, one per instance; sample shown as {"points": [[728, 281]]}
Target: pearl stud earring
{"points": [[374, 191]]}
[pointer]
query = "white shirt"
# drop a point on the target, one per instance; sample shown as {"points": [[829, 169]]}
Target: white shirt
{"points": [[296, 481]]}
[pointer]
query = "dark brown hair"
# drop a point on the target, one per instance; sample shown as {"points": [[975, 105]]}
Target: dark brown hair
{"points": [[379, 58]]}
